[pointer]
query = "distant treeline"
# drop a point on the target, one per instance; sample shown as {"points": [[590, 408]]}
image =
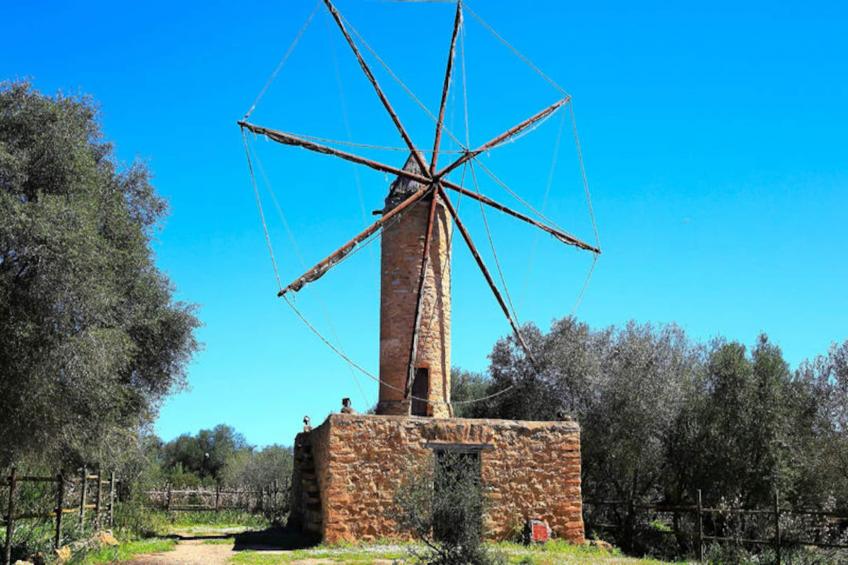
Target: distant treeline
{"points": [[219, 455]]}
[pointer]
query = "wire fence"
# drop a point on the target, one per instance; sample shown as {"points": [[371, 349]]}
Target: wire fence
{"points": [[218, 498], [88, 496], [691, 527]]}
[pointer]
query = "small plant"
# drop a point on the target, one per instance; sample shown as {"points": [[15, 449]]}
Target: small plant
{"points": [[442, 504]]}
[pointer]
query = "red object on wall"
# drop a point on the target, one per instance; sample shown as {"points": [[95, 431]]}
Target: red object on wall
{"points": [[539, 531]]}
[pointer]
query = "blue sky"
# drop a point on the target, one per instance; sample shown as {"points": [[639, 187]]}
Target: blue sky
{"points": [[714, 137]]}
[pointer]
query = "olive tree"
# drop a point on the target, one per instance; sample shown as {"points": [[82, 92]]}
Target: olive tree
{"points": [[91, 338]]}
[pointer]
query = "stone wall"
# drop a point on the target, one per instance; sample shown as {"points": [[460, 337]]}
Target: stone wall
{"points": [[529, 470]]}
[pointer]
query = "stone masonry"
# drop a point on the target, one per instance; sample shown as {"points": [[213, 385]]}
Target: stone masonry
{"points": [[530, 470], [402, 248]]}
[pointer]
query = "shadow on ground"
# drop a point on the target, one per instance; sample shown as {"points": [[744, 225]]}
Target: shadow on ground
{"points": [[275, 538]]}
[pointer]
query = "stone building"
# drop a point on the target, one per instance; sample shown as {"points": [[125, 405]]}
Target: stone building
{"points": [[348, 469]]}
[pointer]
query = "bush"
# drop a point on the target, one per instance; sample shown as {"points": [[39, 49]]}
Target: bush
{"points": [[442, 503]]}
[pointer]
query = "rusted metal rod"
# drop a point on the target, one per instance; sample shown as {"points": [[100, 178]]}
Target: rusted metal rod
{"points": [[111, 499], [60, 498], [289, 139], [83, 496], [324, 265], [10, 517], [370, 76], [445, 87], [422, 279], [98, 498], [467, 237], [559, 234], [514, 130]]}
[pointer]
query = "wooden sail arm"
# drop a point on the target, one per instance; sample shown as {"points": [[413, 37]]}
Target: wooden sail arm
{"points": [[290, 139], [370, 76], [562, 236], [505, 136], [467, 237], [334, 258], [445, 87]]}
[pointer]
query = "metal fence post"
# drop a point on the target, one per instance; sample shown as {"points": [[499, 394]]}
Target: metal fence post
{"points": [[700, 528], [60, 502], [83, 496], [111, 499], [98, 495], [777, 525], [10, 516]]}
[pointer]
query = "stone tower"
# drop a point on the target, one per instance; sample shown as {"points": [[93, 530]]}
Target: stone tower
{"points": [[402, 248]]}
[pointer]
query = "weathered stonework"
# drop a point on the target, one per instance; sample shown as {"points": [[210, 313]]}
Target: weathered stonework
{"points": [[529, 470], [402, 248]]}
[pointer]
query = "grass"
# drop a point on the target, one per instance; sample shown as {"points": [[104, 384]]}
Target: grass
{"points": [[124, 552], [220, 541], [552, 553], [361, 554], [204, 523], [560, 552]]}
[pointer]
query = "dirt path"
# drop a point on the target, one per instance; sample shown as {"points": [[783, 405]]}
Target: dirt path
{"points": [[190, 552], [200, 552]]}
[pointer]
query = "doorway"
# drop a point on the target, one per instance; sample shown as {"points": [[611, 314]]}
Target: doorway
{"points": [[420, 389]]}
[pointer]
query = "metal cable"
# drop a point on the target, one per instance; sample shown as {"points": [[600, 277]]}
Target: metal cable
{"points": [[526, 60], [284, 59], [583, 174], [261, 211], [324, 309]]}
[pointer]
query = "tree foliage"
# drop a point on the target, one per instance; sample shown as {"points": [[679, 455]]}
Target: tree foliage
{"points": [[663, 416], [206, 453], [91, 338]]}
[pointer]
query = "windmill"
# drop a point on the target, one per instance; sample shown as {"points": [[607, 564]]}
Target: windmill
{"points": [[415, 226]]}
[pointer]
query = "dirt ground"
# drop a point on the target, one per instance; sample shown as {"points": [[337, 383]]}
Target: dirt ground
{"points": [[190, 552], [200, 552]]}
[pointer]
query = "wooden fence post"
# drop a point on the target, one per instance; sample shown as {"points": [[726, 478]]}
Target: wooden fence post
{"points": [[168, 499], [98, 496], [217, 496], [10, 516], [83, 496], [777, 525], [274, 501], [60, 502], [700, 528], [112, 499]]}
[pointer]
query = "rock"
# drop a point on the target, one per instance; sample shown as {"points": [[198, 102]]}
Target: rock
{"points": [[106, 538], [63, 554], [601, 544]]}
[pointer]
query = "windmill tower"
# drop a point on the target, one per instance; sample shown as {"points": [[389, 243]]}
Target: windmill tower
{"points": [[345, 467], [410, 302]]}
